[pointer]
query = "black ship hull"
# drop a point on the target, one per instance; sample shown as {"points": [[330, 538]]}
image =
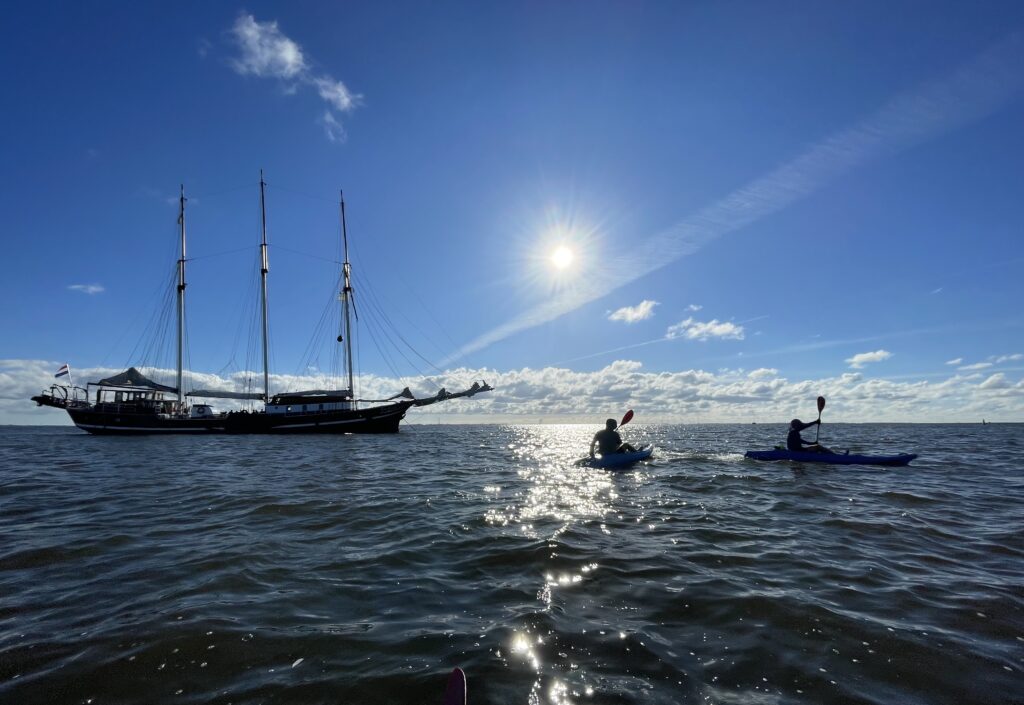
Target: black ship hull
{"points": [[380, 419]]}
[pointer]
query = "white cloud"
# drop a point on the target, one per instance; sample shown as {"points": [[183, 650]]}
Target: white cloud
{"points": [[937, 291], [975, 366], [996, 381], [1009, 358], [704, 330], [694, 307], [860, 359], [955, 361], [265, 51], [88, 288], [631, 314], [334, 130], [763, 373], [335, 93], [556, 393], [976, 89]]}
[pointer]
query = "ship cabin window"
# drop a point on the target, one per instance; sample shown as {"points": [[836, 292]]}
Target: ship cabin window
{"points": [[118, 397]]}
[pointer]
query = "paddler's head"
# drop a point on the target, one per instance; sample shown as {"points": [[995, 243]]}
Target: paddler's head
{"points": [[796, 423], [610, 424]]}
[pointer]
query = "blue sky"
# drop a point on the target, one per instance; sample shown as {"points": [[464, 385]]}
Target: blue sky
{"points": [[778, 199]]}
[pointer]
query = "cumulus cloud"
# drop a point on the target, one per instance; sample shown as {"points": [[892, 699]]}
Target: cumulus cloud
{"points": [[694, 307], [996, 381], [631, 314], [558, 393], [265, 52], [955, 361], [763, 373], [975, 366], [88, 288], [860, 359], [1009, 358], [705, 330]]}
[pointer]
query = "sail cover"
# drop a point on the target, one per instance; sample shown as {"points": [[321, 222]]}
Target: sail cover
{"points": [[133, 378], [220, 394]]}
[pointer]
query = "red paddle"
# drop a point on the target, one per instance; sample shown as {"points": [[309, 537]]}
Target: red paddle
{"points": [[628, 417], [821, 407]]}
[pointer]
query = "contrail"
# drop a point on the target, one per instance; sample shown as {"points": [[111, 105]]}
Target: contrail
{"points": [[976, 89]]}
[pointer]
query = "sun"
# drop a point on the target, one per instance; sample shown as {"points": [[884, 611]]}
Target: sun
{"points": [[562, 257]]}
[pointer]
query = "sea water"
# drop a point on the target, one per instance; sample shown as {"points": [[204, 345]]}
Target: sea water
{"points": [[361, 569]]}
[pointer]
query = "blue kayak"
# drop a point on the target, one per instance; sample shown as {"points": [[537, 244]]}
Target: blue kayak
{"points": [[617, 460], [831, 458]]}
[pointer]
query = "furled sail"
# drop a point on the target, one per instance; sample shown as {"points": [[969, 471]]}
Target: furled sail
{"points": [[222, 394]]}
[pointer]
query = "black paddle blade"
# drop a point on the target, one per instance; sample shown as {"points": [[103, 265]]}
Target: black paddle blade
{"points": [[821, 404], [627, 418]]}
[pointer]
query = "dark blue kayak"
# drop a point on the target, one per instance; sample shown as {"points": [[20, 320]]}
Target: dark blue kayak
{"points": [[617, 460], [831, 458]]}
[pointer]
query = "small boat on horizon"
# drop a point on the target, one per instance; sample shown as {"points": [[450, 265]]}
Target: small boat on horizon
{"points": [[131, 403]]}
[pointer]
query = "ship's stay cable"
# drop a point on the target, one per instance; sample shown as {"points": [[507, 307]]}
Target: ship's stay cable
{"points": [[364, 284], [222, 253], [382, 313], [410, 293], [151, 307], [319, 337], [384, 333], [155, 332], [278, 187]]}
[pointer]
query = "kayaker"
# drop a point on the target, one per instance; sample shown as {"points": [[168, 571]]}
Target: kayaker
{"points": [[609, 441], [795, 443]]}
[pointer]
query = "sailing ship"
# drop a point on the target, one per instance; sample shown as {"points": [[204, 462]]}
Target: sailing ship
{"points": [[131, 403]]}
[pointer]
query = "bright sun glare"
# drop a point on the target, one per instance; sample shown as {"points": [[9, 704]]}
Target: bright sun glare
{"points": [[562, 257]]}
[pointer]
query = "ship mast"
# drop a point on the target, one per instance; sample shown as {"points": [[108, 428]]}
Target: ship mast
{"points": [[181, 290], [346, 295], [264, 268]]}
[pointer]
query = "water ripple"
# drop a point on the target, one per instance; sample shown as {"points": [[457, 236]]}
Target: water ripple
{"points": [[252, 570]]}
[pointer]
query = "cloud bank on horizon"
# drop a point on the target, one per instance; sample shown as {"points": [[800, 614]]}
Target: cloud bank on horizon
{"points": [[973, 91], [265, 52], [560, 394]]}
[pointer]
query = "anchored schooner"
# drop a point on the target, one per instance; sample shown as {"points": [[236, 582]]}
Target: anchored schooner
{"points": [[131, 403]]}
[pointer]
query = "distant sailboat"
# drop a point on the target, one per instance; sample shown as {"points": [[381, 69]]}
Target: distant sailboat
{"points": [[131, 403]]}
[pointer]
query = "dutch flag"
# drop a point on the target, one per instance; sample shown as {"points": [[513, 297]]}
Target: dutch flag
{"points": [[64, 370]]}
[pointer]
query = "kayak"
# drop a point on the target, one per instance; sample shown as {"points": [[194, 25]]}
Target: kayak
{"points": [[831, 458], [455, 693], [617, 460]]}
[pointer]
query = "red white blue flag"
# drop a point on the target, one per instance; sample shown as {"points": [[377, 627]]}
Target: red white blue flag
{"points": [[64, 370]]}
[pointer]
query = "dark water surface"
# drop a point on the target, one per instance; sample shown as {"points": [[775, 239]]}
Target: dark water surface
{"points": [[362, 569]]}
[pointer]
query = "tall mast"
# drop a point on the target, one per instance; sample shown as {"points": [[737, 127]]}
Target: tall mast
{"points": [[346, 295], [264, 268], [181, 289]]}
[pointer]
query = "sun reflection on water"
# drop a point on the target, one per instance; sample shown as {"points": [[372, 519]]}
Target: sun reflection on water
{"points": [[549, 498], [553, 490]]}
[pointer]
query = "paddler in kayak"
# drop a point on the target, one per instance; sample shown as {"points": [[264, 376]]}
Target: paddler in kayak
{"points": [[795, 443], [609, 441]]}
